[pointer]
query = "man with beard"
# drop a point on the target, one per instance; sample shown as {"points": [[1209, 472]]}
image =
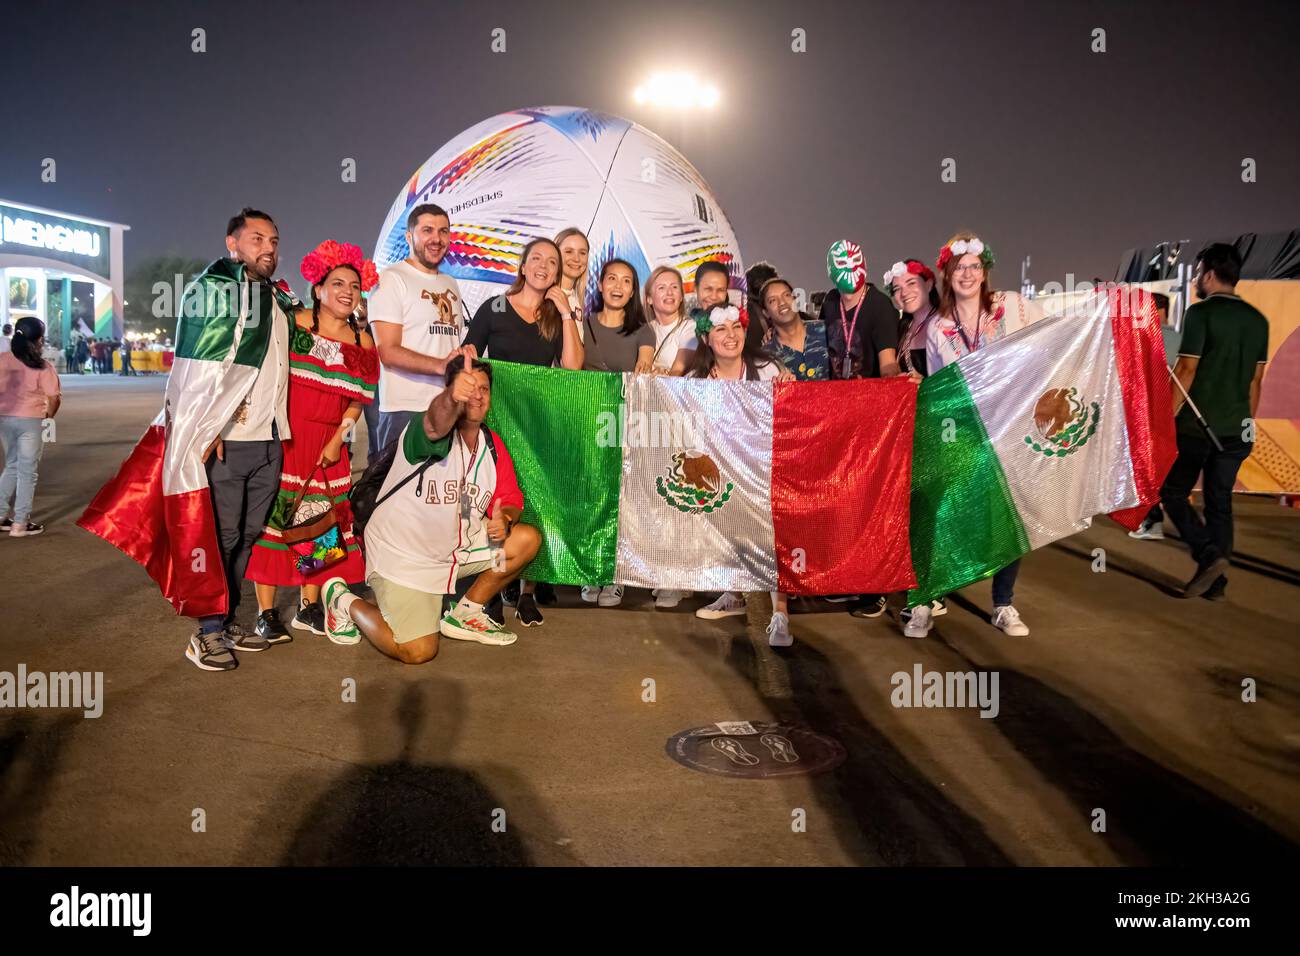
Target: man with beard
{"points": [[199, 484], [418, 319], [1221, 366]]}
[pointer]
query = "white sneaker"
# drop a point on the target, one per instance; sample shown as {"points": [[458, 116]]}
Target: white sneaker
{"points": [[1149, 531], [778, 630], [591, 593], [611, 595], [728, 604], [938, 608], [918, 622], [1007, 619], [667, 599]]}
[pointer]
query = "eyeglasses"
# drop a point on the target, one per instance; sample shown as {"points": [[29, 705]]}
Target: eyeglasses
{"points": [[970, 267]]}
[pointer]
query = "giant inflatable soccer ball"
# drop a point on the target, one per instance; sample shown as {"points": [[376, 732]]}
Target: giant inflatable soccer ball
{"points": [[533, 172]]}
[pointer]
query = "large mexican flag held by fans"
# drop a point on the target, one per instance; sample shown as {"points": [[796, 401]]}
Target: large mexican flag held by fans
{"points": [[157, 508], [677, 483], [843, 487], [1021, 444]]}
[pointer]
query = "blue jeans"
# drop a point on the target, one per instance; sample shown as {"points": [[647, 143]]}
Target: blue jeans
{"points": [[21, 438], [1004, 584], [390, 429]]}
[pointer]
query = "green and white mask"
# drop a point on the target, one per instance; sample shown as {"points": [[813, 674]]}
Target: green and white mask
{"points": [[846, 266]]}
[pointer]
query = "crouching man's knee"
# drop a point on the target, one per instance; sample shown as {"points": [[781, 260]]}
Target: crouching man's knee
{"points": [[419, 651], [526, 539]]}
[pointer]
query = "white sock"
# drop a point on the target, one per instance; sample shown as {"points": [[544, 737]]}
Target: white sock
{"points": [[343, 603], [467, 608]]}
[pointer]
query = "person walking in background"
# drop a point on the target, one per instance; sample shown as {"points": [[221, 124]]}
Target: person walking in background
{"points": [[1221, 362], [127, 367], [333, 372], [29, 394], [417, 317], [82, 355]]}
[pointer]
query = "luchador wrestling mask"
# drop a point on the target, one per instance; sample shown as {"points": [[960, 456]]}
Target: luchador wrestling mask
{"points": [[846, 266]]}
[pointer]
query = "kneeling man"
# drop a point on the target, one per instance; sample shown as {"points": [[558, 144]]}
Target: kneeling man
{"points": [[458, 518]]}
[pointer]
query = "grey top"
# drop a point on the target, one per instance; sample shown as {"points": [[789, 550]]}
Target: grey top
{"points": [[609, 350]]}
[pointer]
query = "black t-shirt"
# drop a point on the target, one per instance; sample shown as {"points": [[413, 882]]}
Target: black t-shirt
{"points": [[876, 329], [499, 332]]}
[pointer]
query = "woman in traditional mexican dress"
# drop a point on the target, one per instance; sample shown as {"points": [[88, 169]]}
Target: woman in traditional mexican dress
{"points": [[333, 372]]}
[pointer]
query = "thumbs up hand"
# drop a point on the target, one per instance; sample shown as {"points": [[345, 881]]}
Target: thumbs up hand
{"points": [[498, 526]]}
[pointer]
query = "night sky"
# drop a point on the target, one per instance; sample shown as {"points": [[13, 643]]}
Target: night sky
{"points": [[1062, 153]]}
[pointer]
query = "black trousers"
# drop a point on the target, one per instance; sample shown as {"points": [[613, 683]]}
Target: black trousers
{"points": [[243, 488], [1198, 458]]}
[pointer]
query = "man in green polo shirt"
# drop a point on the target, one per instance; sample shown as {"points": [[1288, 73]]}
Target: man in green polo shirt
{"points": [[1221, 365]]}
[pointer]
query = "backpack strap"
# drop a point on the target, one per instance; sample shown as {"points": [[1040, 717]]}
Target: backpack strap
{"points": [[488, 436]]}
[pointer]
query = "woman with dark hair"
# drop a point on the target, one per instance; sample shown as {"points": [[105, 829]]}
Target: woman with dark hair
{"points": [[617, 339], [724, 353], [911, 285], [29, 394], [970, 316], [531, 323], [333, 372], [575, 256]]}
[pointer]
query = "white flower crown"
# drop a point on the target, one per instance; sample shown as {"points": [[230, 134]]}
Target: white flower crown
{"points": [[962, 246]]}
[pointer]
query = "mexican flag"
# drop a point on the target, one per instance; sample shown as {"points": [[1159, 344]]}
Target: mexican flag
{"points": [[1022, 443], [157, 508], [679, 483]]}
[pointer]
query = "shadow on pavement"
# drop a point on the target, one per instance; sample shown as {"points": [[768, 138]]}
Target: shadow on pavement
{"points": [[1154, 815], [30, 752], [404, 811]]}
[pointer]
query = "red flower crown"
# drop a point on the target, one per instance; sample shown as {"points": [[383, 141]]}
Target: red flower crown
{"points": [[329, 255]]}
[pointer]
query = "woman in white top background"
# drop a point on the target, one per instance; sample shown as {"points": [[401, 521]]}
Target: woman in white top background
{"points": [[972, 316], [575, 259], [665, 307]]}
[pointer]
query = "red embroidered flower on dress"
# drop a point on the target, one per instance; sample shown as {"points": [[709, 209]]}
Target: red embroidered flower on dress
{"points": [[369, 364], [343, 513]]}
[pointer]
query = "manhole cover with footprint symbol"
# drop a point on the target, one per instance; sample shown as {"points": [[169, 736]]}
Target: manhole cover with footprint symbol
{"points": [[742, 748]]}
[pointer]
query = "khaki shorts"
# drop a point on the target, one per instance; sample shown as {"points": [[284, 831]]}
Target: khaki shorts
{"points": [[413, 614]]}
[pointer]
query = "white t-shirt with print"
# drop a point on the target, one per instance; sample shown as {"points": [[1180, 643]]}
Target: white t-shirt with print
{"points": [[429, 308], [420, 540]]}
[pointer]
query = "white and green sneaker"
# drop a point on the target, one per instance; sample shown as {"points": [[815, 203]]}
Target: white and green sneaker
{"points": [[339, 627], [462, 625]]}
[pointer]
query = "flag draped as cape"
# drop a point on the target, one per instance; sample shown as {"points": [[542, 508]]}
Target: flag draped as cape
{"points": [[157, 509]]}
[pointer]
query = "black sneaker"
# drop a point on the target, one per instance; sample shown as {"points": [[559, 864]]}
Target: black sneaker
{"points": [[545, 594], [25, 530], [238, 639], [510, 596], [870, 605], [6, 524], [1218, 590], [270, 629], [496, 610], [527, 611], [310, 617], [208, 652], [1208, 570]]}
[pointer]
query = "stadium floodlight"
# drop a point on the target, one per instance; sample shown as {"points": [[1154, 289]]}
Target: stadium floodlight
{"points": [[677, 91]]}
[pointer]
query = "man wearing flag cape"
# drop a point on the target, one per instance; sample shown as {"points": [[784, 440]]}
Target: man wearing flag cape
{"points": [[194, 494]]}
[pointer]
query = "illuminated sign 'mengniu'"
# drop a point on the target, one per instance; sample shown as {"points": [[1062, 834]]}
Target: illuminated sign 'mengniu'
{"points": [[30, 232]]}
